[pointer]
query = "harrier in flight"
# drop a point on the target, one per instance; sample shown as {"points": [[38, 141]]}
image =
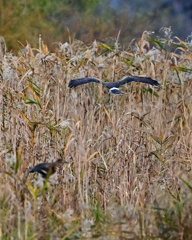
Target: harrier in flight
{"points": [[113, 86]]}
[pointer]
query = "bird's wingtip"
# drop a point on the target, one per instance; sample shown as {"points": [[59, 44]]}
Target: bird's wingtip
{"points": [[71, 85], [156, 83], [29, 170]]}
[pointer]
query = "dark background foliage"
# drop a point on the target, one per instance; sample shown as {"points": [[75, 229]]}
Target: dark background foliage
{"points": [[62, 20]]}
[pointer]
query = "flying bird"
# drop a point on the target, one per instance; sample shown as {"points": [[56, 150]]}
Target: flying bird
{"points": [[46, 169], [110, 85]]}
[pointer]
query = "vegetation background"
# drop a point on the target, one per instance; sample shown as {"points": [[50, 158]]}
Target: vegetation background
{"points": [[87, 20], [129, 157]]}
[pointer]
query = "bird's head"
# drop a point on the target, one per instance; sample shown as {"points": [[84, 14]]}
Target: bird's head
{"points": [[60, 160]]}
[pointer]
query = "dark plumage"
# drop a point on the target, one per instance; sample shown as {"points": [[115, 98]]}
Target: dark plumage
{"points": [[127, 79], [45, 169]]}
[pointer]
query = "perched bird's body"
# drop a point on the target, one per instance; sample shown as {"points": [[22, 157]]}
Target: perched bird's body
{"points": [[127, 79], [45, 169]]}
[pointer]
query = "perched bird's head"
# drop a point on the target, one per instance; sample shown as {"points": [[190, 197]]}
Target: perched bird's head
{"points": [[60, 160]]}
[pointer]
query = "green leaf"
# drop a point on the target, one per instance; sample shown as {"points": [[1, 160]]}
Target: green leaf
{"points": [[157, 42], [187, 184]]}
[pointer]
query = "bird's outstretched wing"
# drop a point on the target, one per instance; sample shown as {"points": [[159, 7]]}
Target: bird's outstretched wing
{"points": [[80, 81], [128, 79], [42, 168]]}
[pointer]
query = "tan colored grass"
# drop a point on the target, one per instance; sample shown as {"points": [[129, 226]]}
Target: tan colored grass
{"points": [[128, 155]]}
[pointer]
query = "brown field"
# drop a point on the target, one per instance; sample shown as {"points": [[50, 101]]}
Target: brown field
{"points": [[129, 157]]}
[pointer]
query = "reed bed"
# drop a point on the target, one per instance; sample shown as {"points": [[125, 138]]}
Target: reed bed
{"points": [[128, 174]]}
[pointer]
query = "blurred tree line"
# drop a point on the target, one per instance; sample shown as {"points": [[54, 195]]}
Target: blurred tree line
{"points": [[22, 20]]}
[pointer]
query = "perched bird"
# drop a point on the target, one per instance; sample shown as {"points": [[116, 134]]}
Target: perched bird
{"points": [[116, 91], [46, 169], [127, 79]]}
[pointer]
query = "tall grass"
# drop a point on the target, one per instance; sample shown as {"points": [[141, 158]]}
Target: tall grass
{"points": [[129, 170]]}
